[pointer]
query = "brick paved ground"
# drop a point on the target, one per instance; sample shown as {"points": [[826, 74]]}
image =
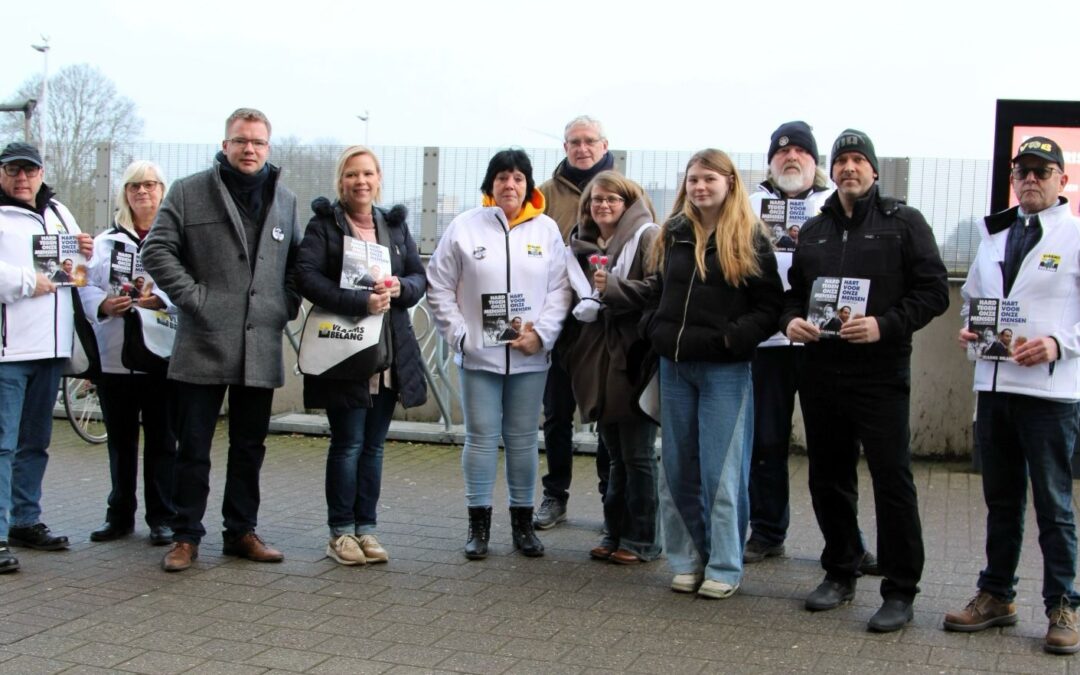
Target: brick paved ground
{"points": [[108, 607]]}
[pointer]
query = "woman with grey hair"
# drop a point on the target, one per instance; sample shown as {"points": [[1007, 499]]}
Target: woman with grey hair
{"points": [[126, 394]]}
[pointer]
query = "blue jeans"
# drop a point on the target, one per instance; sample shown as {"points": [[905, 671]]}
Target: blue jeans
{"points": [[506, 405], [27, 395], [354, 464], [708, 418], [630, 503], [1021, 437]]}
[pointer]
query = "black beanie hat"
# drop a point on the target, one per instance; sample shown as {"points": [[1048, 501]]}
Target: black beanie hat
{"points": [[853, 140], [793, 133]]}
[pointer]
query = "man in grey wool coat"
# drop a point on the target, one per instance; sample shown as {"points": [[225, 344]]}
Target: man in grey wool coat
{"points": [[223, 248]]}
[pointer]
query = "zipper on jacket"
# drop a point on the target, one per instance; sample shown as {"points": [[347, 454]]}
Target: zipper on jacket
{"points": [[506, 238], [3, 327], [686, 308]]}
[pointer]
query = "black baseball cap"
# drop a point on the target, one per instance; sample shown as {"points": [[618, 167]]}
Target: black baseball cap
{"points": [[22, 152], [1043, 148]]}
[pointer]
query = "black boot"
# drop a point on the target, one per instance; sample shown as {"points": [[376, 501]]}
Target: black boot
{"points": [[525, 539], [479, 531]]}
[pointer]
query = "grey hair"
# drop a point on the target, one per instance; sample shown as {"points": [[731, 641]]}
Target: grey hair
{"points": [[586, 121], [138, 171]]}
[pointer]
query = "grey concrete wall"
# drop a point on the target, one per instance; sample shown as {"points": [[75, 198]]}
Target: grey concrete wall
{"points": [[942, 402]]}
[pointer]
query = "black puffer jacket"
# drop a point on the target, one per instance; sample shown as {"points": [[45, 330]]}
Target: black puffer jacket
{"points": [[708, 320], [318, 274], [888, 243]]}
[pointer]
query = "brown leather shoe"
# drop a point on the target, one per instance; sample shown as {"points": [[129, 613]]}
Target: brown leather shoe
{"points": [[180, 557], [624, 557], [252, 547], [600, 552]]}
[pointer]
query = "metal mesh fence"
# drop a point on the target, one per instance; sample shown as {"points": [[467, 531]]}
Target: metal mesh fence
{"points": [[953, 194]]}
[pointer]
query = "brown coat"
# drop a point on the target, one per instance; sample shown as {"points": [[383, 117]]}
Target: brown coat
{"points": [[563, 198], [605, 357]]}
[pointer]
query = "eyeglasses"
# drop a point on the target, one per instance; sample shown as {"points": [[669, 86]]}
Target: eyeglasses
{"points": [[257, 143], [30, 170], [1041, 172], [147, 185], [579, 142], [610, 200]]}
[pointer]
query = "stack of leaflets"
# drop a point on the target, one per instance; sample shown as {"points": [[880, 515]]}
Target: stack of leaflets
{"points": [[57, 257], [1001, 326], [780, 215], [364, 264], [127, 276], [836, 300]]}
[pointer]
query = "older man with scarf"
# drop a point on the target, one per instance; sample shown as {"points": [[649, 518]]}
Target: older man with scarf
{"points": [[586, 155]]}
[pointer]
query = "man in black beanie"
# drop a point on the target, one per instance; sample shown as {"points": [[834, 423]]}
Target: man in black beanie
{"points": [[856, 388]]}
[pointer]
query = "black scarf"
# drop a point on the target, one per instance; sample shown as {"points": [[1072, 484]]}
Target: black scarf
{"points": [[581, 177], [247, 190]]}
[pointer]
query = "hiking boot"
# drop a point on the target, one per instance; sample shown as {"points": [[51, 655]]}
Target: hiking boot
{"points": [[1062, 636], [552, 511], [37, 537], [757, 550], [981, 613], [345, 550], [373, 550]]}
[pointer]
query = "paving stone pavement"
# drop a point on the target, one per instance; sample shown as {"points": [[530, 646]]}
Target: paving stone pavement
{"points": [[109, 608]]}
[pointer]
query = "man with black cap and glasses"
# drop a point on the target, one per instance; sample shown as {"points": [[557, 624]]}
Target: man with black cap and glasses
{"points": [[856, 387], [1027, 411], [38, 332]]}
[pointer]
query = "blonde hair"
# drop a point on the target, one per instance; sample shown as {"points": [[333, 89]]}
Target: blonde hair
{"points": [[138, 171], [612, 181], [339, 172], [736, 231]]}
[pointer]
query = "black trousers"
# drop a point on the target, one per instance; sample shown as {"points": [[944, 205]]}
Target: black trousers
{"points": [[559, 406], [124, 398], [249, 421], [776, 372], [841, 408]]}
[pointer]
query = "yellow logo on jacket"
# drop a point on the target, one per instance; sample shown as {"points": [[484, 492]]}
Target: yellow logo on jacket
{"points": [[534, 250], [1050, 262]]}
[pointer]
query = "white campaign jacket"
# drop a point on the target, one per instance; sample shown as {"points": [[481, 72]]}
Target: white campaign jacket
{"points": [[783, 258], [479, 254], [109, 330], [32, 328], [1048, 288]]}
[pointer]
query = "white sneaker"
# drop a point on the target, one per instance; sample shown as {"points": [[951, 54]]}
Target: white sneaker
{"points": [[345, 550], [373, 550], [687, 583], [718, 590]]}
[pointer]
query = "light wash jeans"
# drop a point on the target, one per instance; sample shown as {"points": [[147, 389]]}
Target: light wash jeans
{"points": [[497, 405], [27, 395], [708, 423]]}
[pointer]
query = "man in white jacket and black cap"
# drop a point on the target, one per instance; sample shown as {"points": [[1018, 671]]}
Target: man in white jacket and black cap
{"points": [[1028, 408]]}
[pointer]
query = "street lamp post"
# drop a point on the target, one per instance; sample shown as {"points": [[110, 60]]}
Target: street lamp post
{"points": [[43, 103], [364, 118]]}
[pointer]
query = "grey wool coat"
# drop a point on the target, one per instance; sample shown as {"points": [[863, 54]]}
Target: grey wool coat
{"points": [[230, 317]]}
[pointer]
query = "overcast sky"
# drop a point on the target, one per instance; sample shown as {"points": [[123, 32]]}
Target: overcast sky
{"points": [[921, 78]]}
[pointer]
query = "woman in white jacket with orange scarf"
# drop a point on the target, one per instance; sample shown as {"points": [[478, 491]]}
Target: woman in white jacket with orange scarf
{"points": [[501, 261]]}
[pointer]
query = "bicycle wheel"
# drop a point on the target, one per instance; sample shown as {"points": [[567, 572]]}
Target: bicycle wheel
{"points": [[83, 409]]}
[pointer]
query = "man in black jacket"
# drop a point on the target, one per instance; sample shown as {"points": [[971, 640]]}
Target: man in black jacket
{"points": [[857, 388]]}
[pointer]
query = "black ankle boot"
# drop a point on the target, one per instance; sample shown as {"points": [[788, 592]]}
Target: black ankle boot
{"points": [[476, 547], [525, 539]]}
